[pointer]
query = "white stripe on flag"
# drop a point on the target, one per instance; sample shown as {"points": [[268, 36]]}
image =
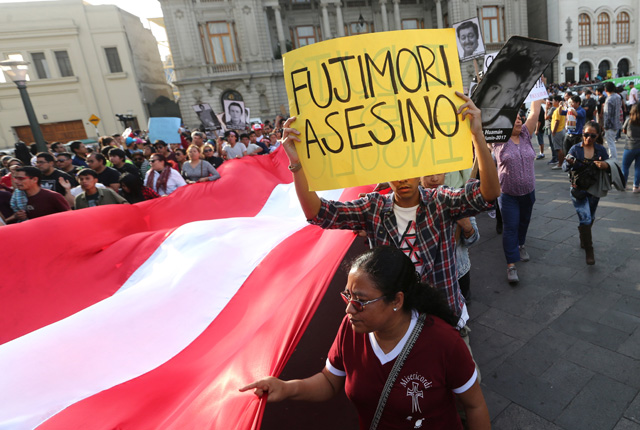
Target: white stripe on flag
{"points": [[161, 309]]}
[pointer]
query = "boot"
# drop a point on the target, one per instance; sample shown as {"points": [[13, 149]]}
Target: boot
{"points": [[585, 236], [581, 239]]}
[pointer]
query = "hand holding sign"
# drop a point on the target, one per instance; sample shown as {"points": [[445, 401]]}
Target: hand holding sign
{"points": [[289, 139]]}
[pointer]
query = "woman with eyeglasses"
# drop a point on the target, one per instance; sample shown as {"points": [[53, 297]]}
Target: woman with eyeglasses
{"points": [[400, 334], [515, 160], [162, 178], [583, 162], [210, 155], [181, 157], [197, 170]]}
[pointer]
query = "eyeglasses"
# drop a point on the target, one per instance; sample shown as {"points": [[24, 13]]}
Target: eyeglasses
{"points": [[208, 150], [358, 305], [590, 135], [154, 160], [62, 160]]}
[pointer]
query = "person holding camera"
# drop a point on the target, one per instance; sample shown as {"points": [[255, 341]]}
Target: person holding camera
{"points": [[583, 162]]}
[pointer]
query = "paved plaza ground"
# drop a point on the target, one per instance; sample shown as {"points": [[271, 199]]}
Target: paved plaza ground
{"points": [[559, 351]]}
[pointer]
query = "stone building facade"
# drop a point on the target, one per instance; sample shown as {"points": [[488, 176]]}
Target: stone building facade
{"points": [[226, 49]]}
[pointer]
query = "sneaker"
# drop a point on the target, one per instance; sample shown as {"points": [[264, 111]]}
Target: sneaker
{"points": [[556, 167], [552, 161], [636, 190], [492, 213], [539, 156], [524, 255], [512, 275]]}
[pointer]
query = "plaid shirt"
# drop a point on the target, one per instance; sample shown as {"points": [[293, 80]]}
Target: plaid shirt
{"points": [[435, 218]]}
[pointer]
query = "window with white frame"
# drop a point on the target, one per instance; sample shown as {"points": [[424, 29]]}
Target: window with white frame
{"points": [[603, 28], [622, 27], [306, 35], [492, 24], [219, 36], [584, 30], [64, 63]]}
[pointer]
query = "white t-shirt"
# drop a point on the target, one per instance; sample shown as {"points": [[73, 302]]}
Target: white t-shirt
{"points": [[252, 148], [236, 151], [406, 219], [633, 96]]}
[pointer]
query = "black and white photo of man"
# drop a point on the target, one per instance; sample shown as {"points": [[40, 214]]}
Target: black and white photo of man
{"points": [[469, 39], [234, 115], [207, 116]]}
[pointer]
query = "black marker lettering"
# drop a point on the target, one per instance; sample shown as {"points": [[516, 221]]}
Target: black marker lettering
{"points": [[419, 74], [341, 60], [324, 141], [353, 127], [412, 108], [425, 70], [307, 127], [295, 89], [364, 83], [404, 131], [454, 111], [393, 130], [445, 62], [326, 74], [387, 61]]}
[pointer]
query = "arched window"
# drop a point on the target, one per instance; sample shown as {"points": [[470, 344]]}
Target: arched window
{"points": [[622, 27], [584, 29], [603, 29]]}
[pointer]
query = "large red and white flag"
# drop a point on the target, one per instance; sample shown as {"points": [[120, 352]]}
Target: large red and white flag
{"points": [[151, 316]]}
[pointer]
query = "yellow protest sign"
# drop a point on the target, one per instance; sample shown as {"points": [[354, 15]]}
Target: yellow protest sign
{"points": [[94, 120], [378, 107]]}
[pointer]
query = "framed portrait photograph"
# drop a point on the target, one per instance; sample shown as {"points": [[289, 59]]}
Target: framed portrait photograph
{"points": [[469, 39], [234, 114]]}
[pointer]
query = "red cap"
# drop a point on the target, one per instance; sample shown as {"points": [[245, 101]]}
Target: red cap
{"points": [[257, 127]]}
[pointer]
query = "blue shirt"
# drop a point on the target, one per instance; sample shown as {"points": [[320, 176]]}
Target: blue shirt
{"points": [[581, 118]]}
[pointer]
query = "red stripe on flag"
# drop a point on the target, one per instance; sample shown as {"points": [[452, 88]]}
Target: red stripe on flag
{"points": [[253, 336], [57, 265]]}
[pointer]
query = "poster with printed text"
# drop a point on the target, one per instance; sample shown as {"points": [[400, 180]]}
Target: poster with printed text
{"points": [[378, 107]]}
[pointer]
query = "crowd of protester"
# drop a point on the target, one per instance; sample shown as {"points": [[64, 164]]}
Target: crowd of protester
{"points": [[119, 169]]}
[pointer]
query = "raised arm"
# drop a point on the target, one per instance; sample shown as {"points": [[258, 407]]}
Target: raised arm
{"points": [[532, 119], [489, 183], [309, 200], [318, 388]]}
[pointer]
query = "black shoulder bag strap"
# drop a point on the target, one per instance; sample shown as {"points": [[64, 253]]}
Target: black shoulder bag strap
{"points": [[396, 370]]}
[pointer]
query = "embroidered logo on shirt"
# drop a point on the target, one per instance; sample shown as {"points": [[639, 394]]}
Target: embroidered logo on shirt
{"points": [[409, 246], [413, 383]]}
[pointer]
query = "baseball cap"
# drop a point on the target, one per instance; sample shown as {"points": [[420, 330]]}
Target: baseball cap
{"points": [[257, 127]]}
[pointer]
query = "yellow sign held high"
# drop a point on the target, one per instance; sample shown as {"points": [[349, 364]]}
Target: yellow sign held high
{"points": [[378, 107], [94, 120]]}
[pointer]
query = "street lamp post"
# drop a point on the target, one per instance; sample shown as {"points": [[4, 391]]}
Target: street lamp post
{"points": [[17, 72]]}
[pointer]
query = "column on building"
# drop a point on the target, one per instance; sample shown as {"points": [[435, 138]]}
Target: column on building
{"points": [[325, 21], [438, 13], [396, 14], [279, 28], [339, 20], [385, 18]]}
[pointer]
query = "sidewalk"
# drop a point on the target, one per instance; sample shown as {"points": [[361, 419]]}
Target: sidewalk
{"points": [[561, 350]]}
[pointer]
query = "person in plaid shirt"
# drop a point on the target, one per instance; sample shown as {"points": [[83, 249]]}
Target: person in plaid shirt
{"points": [[419, 221]]}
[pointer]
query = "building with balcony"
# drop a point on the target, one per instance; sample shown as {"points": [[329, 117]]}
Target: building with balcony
{"points": [[225, 49], [85, 60]]}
